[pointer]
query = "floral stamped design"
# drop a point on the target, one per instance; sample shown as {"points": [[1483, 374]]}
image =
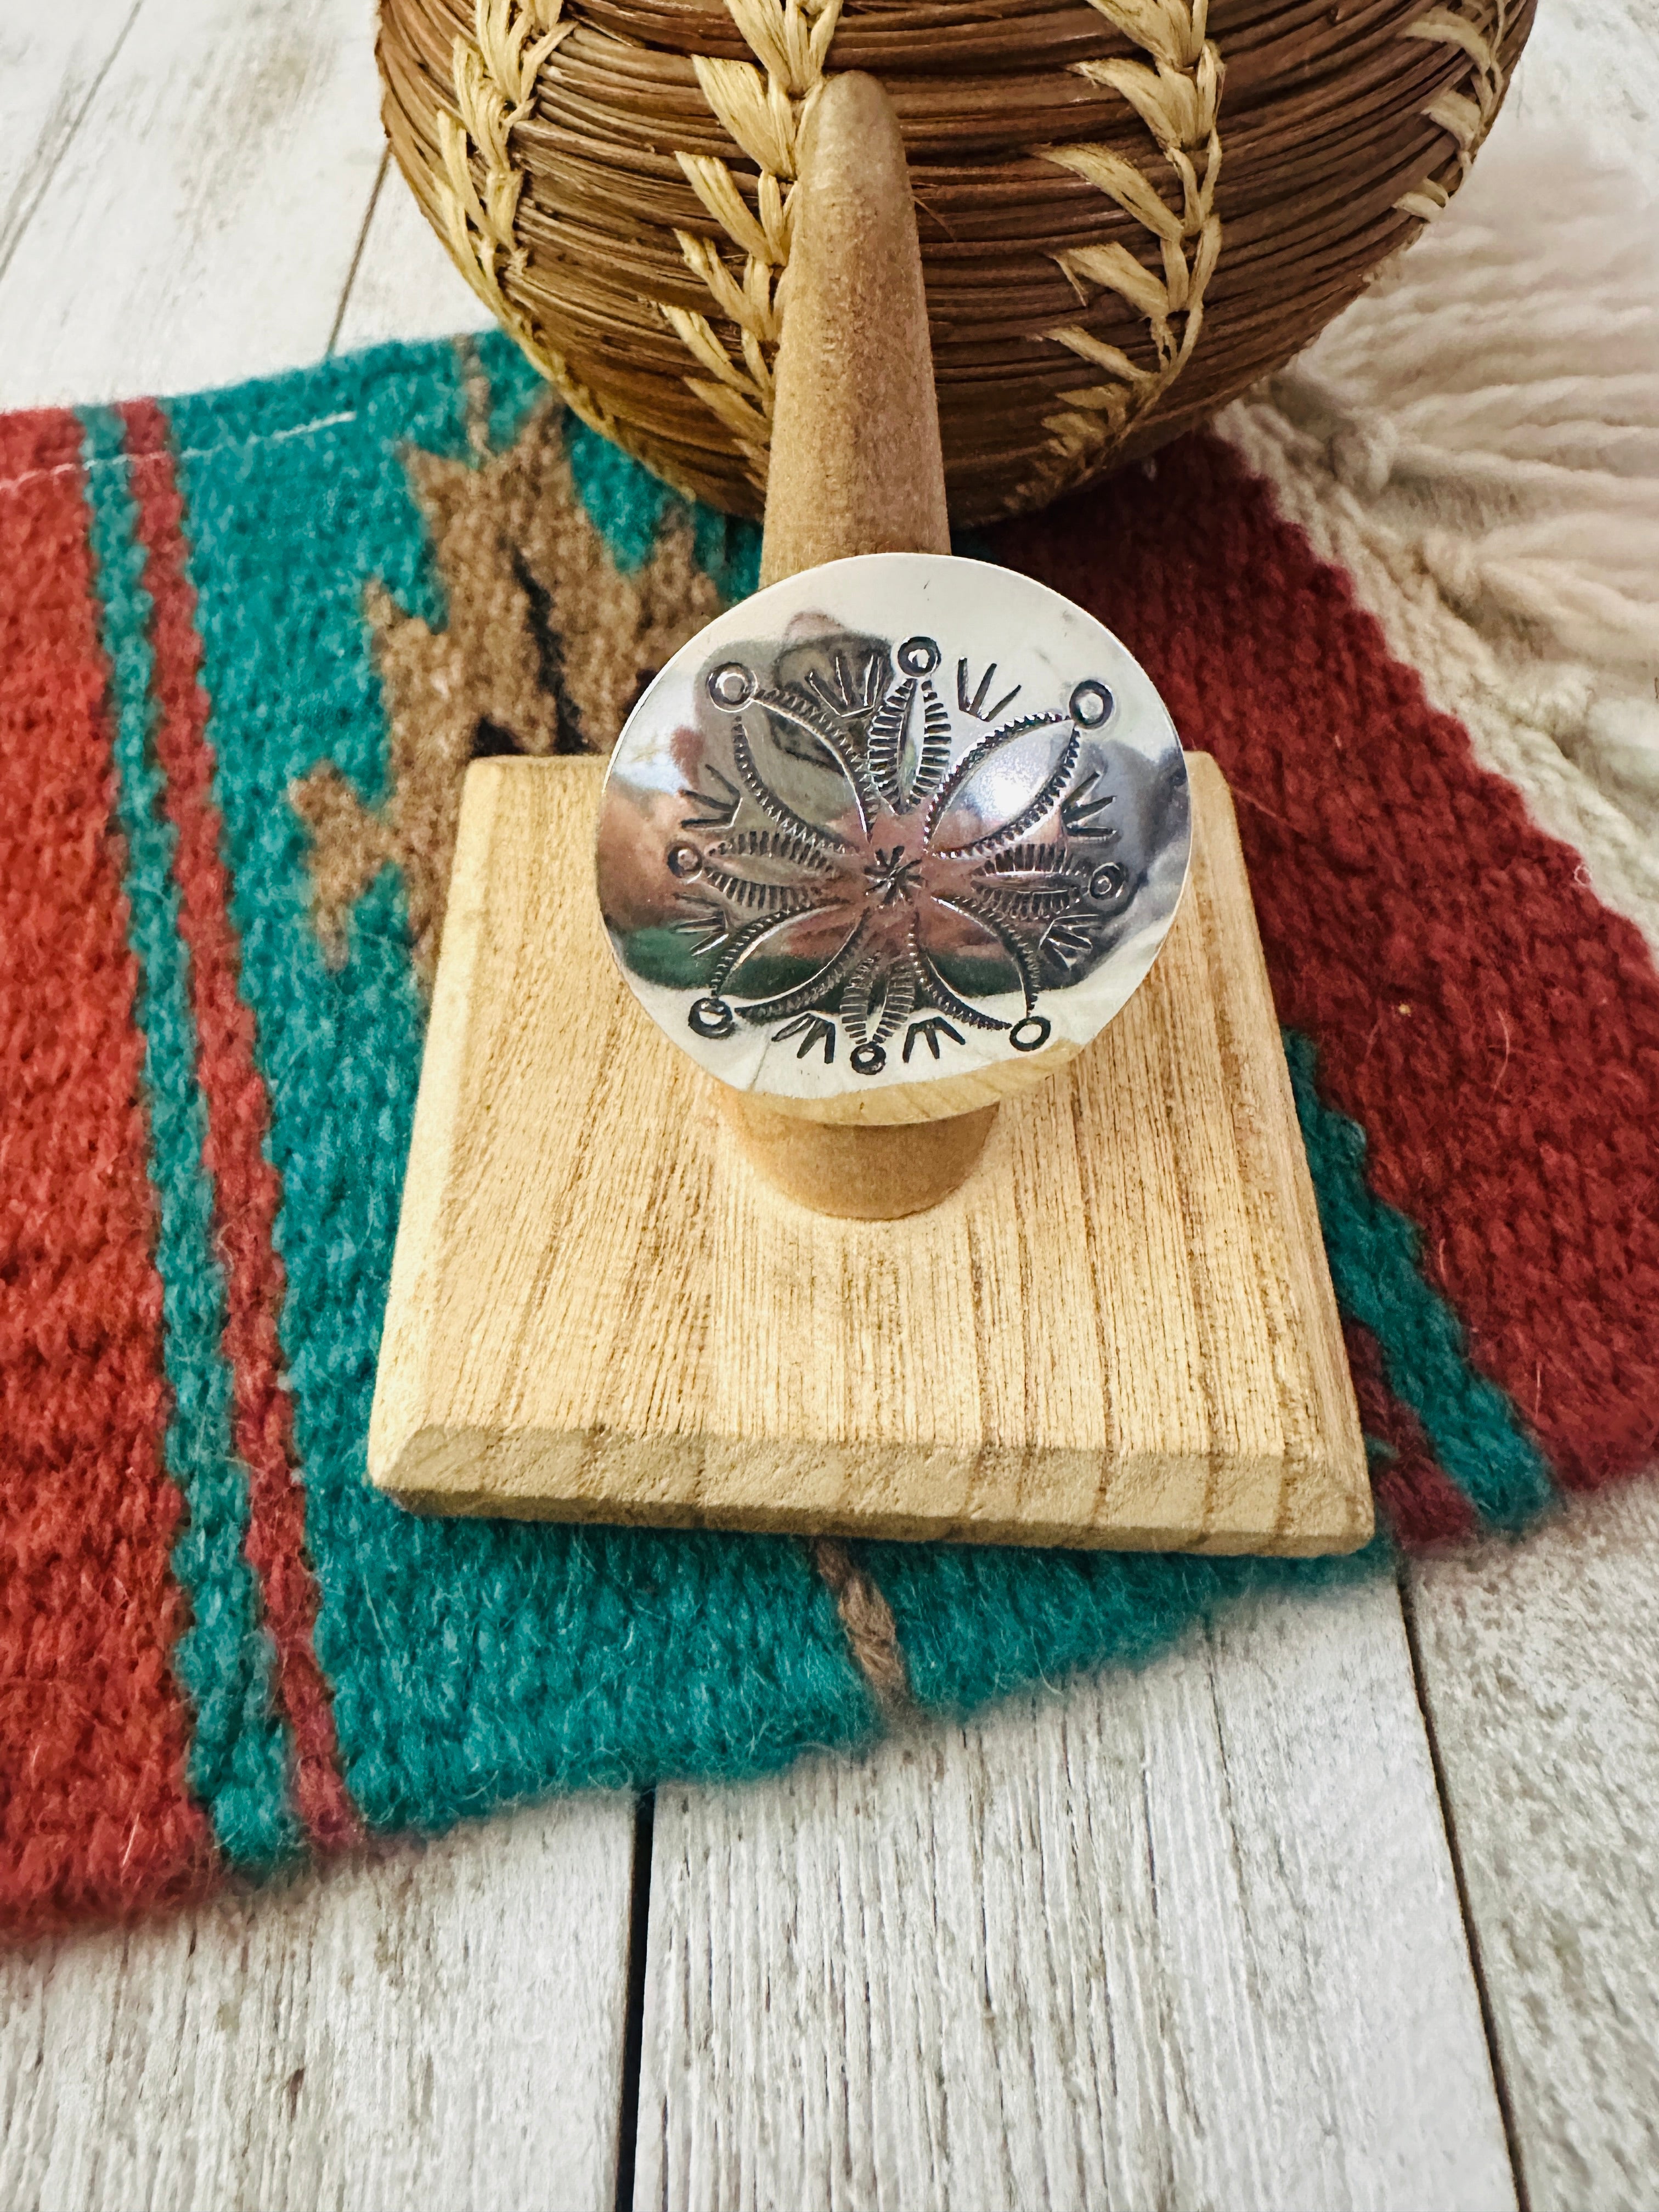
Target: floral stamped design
{"points": [[876, 858]]}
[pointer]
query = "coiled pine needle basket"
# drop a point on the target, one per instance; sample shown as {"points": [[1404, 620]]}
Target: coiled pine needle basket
{"points": [[1129, 209]]}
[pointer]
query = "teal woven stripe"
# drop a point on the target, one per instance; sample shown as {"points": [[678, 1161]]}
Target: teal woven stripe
{"points": [[1375, 1255], [238, 1753], [470, 1662], [976, 1622]]}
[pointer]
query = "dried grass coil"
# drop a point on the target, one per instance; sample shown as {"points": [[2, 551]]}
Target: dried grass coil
{"points": [[1129, 209]]}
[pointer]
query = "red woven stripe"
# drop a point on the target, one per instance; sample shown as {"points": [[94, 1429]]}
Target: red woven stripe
{"points": [[247, 1187], [1493, 1028], [95, 1813], [1422, 1503]]}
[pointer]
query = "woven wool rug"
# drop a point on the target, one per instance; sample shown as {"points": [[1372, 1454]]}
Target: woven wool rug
{"points": [[249, 641]]}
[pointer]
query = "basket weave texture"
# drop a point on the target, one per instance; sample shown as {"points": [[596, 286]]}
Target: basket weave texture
{"points": [[1129, 209]]}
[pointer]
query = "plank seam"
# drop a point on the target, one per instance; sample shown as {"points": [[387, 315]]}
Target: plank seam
{"points": [[356, 255], [639, 1929], [1471, 1932], [45, 184]]}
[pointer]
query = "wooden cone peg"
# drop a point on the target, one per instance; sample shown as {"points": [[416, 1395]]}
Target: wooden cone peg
{"points": [[856, 467], [929, 822]]}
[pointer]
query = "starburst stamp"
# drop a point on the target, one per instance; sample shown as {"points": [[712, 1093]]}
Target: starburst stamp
{"points": [[900, 817]]}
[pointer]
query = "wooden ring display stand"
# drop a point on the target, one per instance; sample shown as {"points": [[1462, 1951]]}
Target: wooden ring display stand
{"points": [[1105, 1317]]}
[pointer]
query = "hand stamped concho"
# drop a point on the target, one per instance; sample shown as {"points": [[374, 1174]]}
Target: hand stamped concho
{"points": [[899, 817]]}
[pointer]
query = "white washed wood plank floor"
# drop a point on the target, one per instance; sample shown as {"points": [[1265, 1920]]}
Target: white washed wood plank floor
{"points": [[1186, 1938], [1539, 1664], [440, 2027], [1189, 1939]]}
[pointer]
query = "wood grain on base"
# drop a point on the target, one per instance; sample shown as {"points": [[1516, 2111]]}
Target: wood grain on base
{"points": [[1118, 1331]]}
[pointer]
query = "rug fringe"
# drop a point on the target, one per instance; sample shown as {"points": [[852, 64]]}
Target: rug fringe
{"points": [[1492, 405]]}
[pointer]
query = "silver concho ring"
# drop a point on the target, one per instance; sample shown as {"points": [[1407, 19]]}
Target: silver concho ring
{"points": [[900, 816]]}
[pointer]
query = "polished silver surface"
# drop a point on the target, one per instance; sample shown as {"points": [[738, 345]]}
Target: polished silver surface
{"points": [[899, 817]]}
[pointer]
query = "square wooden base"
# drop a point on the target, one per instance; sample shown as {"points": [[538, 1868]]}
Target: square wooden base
{"points": [[1120, 1331]]}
